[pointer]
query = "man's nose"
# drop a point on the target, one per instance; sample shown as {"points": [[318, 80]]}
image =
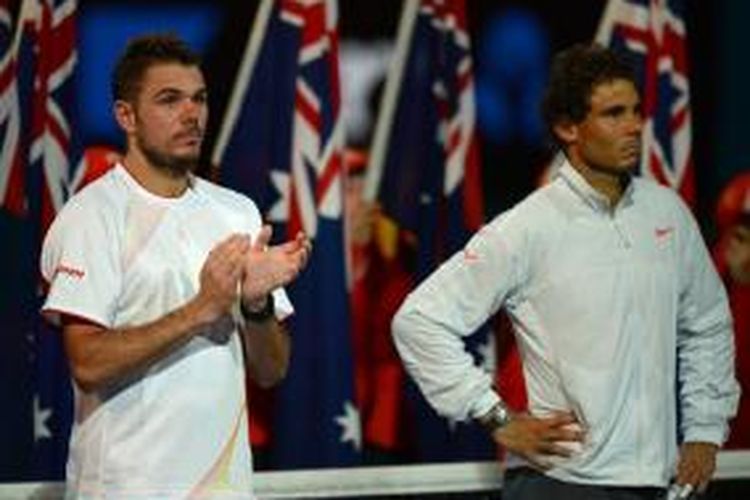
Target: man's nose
{"points": [[191, 109], [635, 123]]}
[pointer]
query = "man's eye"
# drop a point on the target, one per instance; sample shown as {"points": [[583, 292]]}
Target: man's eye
{"points": [[168, 99]]}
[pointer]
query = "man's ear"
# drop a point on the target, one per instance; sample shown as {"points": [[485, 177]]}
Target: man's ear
{"points": [[566, 131], [125, 115]]}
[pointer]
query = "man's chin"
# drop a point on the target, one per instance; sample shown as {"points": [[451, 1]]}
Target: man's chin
{"points": [[632, 160], [630, 167], [629, 164], [174, 165], [182, 165]]}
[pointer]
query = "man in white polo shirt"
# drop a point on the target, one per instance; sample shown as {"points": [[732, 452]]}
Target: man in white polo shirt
{"points": [[167, 292], [615, 304]]}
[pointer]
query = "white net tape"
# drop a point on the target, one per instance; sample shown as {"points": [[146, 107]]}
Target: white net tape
{"points": [[376, 481], [381, 481]]}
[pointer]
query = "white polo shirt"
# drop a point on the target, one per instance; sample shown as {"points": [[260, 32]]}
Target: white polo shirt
{"points": [[120, 256], [603, 303]]}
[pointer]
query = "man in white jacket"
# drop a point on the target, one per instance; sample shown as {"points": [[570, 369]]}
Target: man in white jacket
{"points": [[615, 305]]}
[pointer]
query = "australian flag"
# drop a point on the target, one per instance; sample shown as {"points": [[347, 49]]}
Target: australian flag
{"points": [[426, 156], [281, 143], [652, 34], [37, 146]]}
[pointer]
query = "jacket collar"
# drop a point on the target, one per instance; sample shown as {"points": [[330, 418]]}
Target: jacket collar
{"points": [[588, 194]]}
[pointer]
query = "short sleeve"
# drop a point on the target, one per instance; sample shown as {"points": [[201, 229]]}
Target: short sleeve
{"points": [[80, 266]]}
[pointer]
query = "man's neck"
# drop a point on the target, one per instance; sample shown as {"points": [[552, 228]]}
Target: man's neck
{"points": [[609, 184], [155, 180]]}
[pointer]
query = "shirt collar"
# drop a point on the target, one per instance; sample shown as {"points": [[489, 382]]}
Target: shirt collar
{"points": [[122, 171], [588, 194]]}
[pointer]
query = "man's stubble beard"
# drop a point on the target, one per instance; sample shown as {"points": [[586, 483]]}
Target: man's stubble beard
{"points": [[622, 172], [175, 166]]}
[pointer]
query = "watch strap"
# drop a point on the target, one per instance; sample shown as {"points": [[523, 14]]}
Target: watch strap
{"points": [[497, 417]]}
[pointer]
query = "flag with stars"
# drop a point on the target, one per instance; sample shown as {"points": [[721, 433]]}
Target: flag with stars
{"points": [[425, 170], [37, 146], [281, 143], [15, 265], [652, 34]]}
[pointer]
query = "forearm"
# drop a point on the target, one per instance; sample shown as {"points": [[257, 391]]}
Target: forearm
{"points": [[435, 357], [708, 392], [432, 323], [705, 345], [100, 357], [267, 350]]}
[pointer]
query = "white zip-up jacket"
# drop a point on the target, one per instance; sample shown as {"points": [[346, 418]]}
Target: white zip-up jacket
{"points": [[609, 306]]}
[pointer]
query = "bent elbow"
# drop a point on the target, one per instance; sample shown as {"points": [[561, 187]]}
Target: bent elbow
{"points": [[86, 378], [271, 373], [268, 380], [403, 325], [399, 328]]}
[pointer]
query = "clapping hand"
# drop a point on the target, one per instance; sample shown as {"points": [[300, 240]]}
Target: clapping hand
{"points": [[269, 267]]}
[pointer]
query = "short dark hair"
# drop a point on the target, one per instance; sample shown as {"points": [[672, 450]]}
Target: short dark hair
{"points": [[575, 73], [143, 52]]}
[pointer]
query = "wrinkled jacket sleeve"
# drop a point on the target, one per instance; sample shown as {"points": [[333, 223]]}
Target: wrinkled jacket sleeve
{"points": [[709, 392], [451, 304]]}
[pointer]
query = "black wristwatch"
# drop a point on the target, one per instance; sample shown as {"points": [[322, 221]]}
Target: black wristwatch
{"points": [[497, 417], [261, 316]]}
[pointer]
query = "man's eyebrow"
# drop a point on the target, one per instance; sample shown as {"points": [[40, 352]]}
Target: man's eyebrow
{"points": [[173, 90], [167, 90], [620, 107]]}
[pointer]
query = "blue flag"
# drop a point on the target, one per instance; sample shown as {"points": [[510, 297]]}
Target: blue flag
{"points": [[35, 169], [281, 144], [429, 186], [15, 265]]}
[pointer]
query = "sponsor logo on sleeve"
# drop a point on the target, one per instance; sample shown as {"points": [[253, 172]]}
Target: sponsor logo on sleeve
{"points": [[470, 256], [69, 271], [662, 233]]}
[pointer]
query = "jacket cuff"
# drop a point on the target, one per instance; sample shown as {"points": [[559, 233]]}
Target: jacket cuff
{"points": [[484, 404], [716, 434]]}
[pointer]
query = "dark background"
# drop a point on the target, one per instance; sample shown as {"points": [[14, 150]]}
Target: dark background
{"points": [[719, 77]]}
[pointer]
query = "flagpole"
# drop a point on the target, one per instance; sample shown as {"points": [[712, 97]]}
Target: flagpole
{"points": [[249, 58], [390, 99], [606, 23]]}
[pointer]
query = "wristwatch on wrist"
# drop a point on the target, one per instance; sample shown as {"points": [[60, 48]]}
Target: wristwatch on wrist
{"points": [[497, 417], [260, 316]]}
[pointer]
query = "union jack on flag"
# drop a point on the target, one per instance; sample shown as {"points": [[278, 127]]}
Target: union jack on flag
{"points": [[281, 143], [653, 34], [36, 91], [12, 158], [425, 145], [425, 171], [37, 39]]}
